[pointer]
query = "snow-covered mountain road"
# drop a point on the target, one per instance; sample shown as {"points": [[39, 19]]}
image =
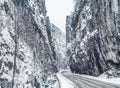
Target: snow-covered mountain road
{"points": [[69, 80]]}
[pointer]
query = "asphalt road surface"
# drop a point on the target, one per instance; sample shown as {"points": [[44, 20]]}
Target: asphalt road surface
{"points": [[84, 82]]}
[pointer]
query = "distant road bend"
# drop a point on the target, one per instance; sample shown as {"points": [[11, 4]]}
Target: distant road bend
{"points": [[84, 82]]}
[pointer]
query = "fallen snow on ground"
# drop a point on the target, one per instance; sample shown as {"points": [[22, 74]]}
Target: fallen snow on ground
{"points": [[112, 76], [112, 73], [64, 82], [108, 80]]}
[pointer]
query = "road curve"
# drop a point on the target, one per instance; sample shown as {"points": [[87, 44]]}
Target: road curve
{"points": [[84, 82]]}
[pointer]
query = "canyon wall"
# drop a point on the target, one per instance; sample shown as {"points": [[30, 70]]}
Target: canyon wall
{"points": [[27, 57], [95, 29]]}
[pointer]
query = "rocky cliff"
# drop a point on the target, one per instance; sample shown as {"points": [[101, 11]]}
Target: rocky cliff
{"points": [[68, 36], [96, 36], [60, 46], [26, 55]]}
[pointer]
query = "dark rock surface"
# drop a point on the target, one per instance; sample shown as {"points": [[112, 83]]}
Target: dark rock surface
{"points": [[60, 46], [27, 57], [96, 36]]}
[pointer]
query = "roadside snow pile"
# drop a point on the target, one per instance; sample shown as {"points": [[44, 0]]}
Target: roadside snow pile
{"points": [[112, 76], [64, 82], [112, 73], [102, 79]]}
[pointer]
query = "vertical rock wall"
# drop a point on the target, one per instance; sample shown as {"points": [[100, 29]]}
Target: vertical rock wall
{"points": [[26, 55], [96, 38]]}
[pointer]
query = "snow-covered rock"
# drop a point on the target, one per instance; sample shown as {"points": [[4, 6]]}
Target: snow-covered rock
{"points": [[112, 73], [58, 38], [26, 55], [95, 36], [52, 82]]}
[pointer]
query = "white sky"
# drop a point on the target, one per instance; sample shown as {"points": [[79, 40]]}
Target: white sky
{"points": [[57, 10]]}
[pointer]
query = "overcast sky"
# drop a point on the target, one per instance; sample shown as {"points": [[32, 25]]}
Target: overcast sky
{"points": [[57, 10]]}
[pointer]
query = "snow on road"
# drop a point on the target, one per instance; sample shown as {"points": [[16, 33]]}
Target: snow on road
{"points": [[64, 82], [108, 80], [70, 80]]}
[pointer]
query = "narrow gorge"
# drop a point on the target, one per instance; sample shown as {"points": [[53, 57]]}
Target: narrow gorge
{"points": [[33, 49]]}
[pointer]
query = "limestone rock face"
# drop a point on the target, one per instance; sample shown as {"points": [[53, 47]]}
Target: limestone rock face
{"points": [[95, 36], [26, 55], [68, 36], [58, 38]]}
